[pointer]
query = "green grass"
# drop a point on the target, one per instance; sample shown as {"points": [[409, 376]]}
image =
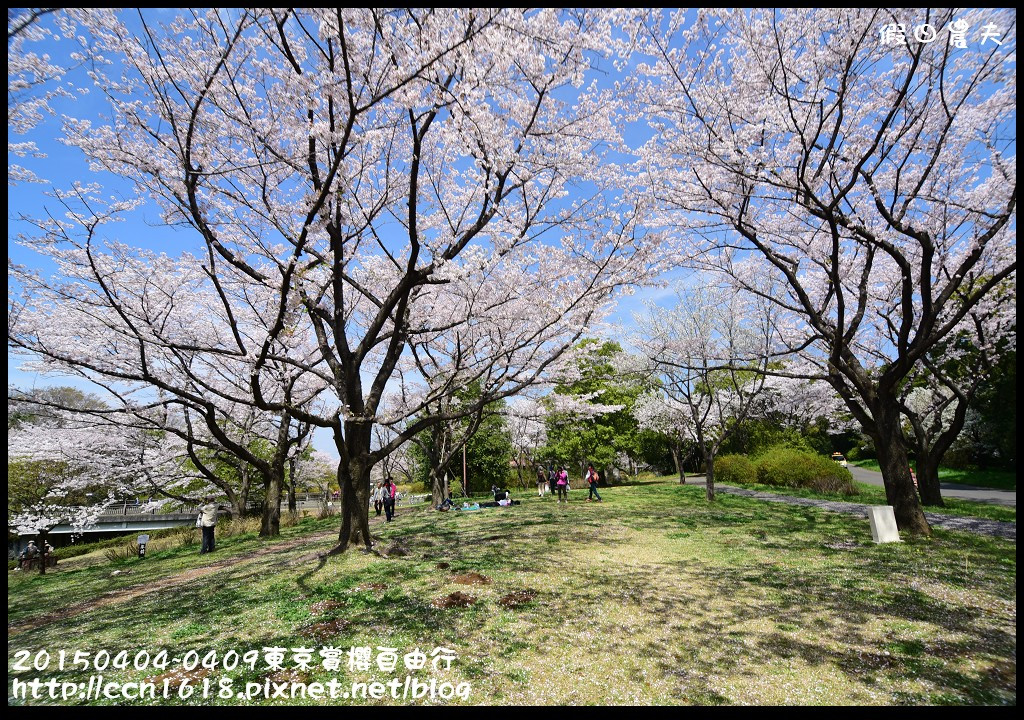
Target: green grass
{"points": [[654, 596], [998, 479]]}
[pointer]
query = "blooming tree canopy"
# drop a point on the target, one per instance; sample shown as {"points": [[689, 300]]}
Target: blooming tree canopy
{"points": [[873, 175], [377, 198]]}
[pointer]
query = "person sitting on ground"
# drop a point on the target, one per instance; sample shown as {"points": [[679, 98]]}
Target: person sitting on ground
{"points": [[28, 555], [500, 493]]}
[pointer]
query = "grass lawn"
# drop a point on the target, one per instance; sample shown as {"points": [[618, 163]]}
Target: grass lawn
{"points": [[651, 597], [999, 479]]}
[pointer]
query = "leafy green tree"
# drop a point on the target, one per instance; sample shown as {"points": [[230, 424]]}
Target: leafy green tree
{"points": [[590, 417], [437, 451]]}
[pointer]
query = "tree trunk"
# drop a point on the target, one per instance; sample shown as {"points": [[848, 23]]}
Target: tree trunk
{"points": [[928, 479], [271, 523], [709, 474], [354, 481], [242, 498], [237, 504], [677, 458], [437, 488], [292, 504], [895, 466], [42, 552]]}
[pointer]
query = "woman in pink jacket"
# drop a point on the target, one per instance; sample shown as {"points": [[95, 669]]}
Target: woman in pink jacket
{"points": [[563, 485]]}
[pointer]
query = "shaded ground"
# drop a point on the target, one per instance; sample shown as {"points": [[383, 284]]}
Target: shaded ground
{"points": [[653, 597], [122, 595], [1005, 530]]}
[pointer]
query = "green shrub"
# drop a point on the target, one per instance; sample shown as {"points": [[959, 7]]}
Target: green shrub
{"points": [[792, 468], [735, 469], [414, 488]]}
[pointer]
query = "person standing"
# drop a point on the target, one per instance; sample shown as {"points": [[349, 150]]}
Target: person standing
{"points": [[563, 485], [552, 478], [542, 481], [389, 498], [208, 522], [592, 478], [378, 497]]}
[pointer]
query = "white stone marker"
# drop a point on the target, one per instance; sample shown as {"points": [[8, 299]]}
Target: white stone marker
{"points": [[883, 524]]}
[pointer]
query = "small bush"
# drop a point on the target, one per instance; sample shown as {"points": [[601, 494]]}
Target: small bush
{"points": [[124, 552], [735, 469], [240, 526], [414, 488], [290, 519], [70, 551], [792, 468], [186, 536]]}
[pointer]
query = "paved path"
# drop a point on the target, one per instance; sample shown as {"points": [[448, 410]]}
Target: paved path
{"points": [[995, 528], [952, 490], [1007, 530]]}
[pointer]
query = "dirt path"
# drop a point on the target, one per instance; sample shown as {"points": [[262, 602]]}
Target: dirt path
{"points": [[116, 597]]}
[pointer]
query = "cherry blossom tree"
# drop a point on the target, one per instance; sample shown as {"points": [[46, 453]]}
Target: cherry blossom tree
{"points": [[528, 431], [938, 395], [661, 413], [168, 345], [386, 191], [872, 172], [317, 469], [33, 81], [711, 353], [65, 471]]}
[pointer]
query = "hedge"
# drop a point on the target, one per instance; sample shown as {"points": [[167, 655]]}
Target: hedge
{"points": [[735, 469], [792, 468]]}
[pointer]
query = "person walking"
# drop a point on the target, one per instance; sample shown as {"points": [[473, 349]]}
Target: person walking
{"points": [[542, 481], [208, 522], [378, 497], [592, 478], [389, 498], [563, 485], [552, 478]]}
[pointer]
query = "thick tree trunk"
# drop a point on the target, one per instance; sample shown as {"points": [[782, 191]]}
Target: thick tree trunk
{"points": [[928, 479], [436, 485], [270, 526], [709, 473], [895, 466], [354, 481]]}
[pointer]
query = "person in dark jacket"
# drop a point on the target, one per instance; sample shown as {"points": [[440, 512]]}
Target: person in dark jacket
{"points": [[390, 489]]}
